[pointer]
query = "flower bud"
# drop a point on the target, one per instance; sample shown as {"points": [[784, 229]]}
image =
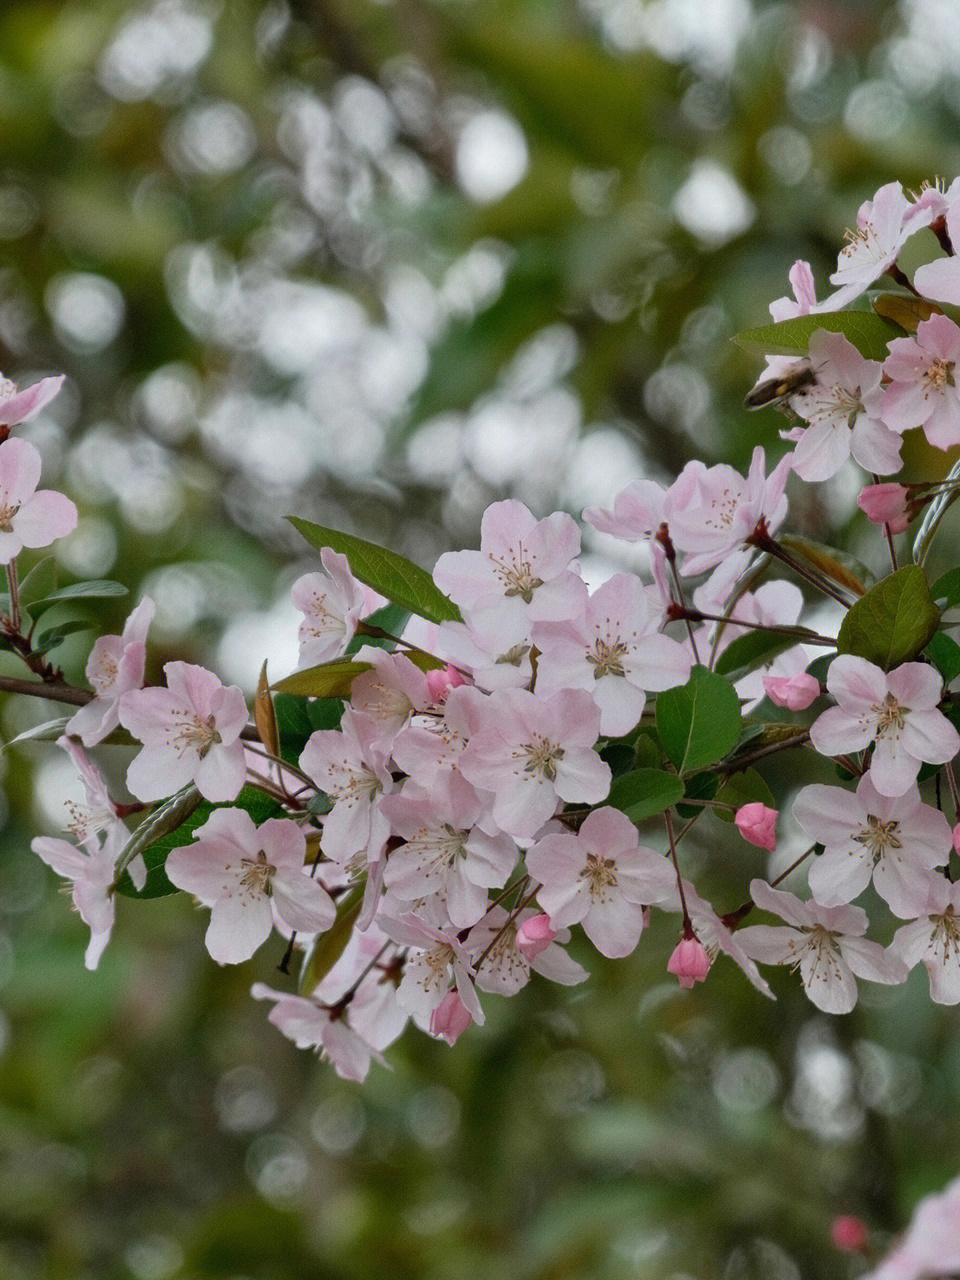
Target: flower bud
{"points": [[450, 1018], [796, 693], [441, 680], [849, 1234], [534, 936], [758, 824], [885, 504], [689, 962]]}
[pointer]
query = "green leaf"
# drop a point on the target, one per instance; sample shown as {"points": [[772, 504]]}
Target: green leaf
{"points": [[297, 718], [700, 721], [744, 788], [52, 636], [700, 786], [49, 731], [645, 792], [751, 650], [156, 844], [893, 622], [328, 680], [96, 589], [330, 946], [392, 618], [40, 581], [393, 575], [868, 332], [944, 653], [946, 590]]}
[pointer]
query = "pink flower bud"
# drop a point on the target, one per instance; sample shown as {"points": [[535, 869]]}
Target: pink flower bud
{"points": [[534, 936], [441, 680], [885, 504], [796, 693], [450, 1018], [689, 962], [956, 837], [758, 824], [849, 1234]]}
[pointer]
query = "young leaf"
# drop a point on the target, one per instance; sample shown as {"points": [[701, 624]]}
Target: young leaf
{"points": [[49, 731], [328, 680], [868, 332], [893, 622], [155, 847], [264, 715], [52, 636], [904, 310], [393, 575], [700, 721], [645, 792], [839, 567], [297, 718], [40, 581], [330, 946]]}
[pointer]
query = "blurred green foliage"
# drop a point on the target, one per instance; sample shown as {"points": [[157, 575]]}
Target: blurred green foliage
{"points": [[377, 264]]}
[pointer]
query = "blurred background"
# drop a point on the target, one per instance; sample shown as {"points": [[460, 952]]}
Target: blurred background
{"points": [[378, 263]]}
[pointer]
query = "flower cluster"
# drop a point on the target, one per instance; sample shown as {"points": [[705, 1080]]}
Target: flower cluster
{"points": [[519, 763]]}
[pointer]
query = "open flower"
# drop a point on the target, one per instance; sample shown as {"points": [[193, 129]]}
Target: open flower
{"points": [[882, 229], [615, 653], [825, 943], [313, 1025], [190, 733], [389, 694], [896, 711], [89, 867], [115, 666], [504, 957], [331, 603], [923, 390], [896, 840], [18, 406], [522, 567], [346, 765], [638, 512], [532, 753], [435, 959], [601, 877], [29, 517], [843, 412], [933, 939], [249, 876]]}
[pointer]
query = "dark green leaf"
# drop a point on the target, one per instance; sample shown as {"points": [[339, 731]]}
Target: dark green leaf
{"points": [[894, 620], [699, 722], [645, 792], [868, 332], [393, 575], [52, 636], [96, 589], [944, 653], [392, 618], [155, 850], [744, 788], [699, 786], [946, 590], [751, 650], [297, 718]]}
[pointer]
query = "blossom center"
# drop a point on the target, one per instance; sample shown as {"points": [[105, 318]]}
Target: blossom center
{"points": [[890, 716], [877, 837], [940, 373], [8, 389], [946, 935], [516, 574], [600, 875], [542, 756], [8, 511], [258, 874], [196, 733], [607, 657]]}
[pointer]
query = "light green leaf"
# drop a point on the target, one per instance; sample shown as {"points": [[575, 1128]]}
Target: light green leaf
{"points": [[393, 575], [328, 680], [645, 792], [700, 721], [868, 332], [893, 622]]}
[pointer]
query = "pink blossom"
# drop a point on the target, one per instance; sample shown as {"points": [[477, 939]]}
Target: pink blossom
{"points": [[494, 650], [190, 733], [933, 939], [372, 1009], [796, 693], [922, 390], [896, 841], [600, 877], [956, 837], [774, 604], [532, 753], [312, 1025], [332, 603], [353, 772], [535, 935], [249, 876], [504, 958], [29, 517], [435, 959], [431, 744], [715, 509], [18, 406], [522, 567], [444, 851], [804, 301], [689, 962], [638, 512], [882, 229], [849, 1234], [115, 667], [389, 694], [931, 1244], [98, 817], [450, 1018], [758, 824], [843, 412], [826, 943], [886, 504], [714, 933], [442, 680], [898, 712], [940, 279], [89, 867], [614, 653]]}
